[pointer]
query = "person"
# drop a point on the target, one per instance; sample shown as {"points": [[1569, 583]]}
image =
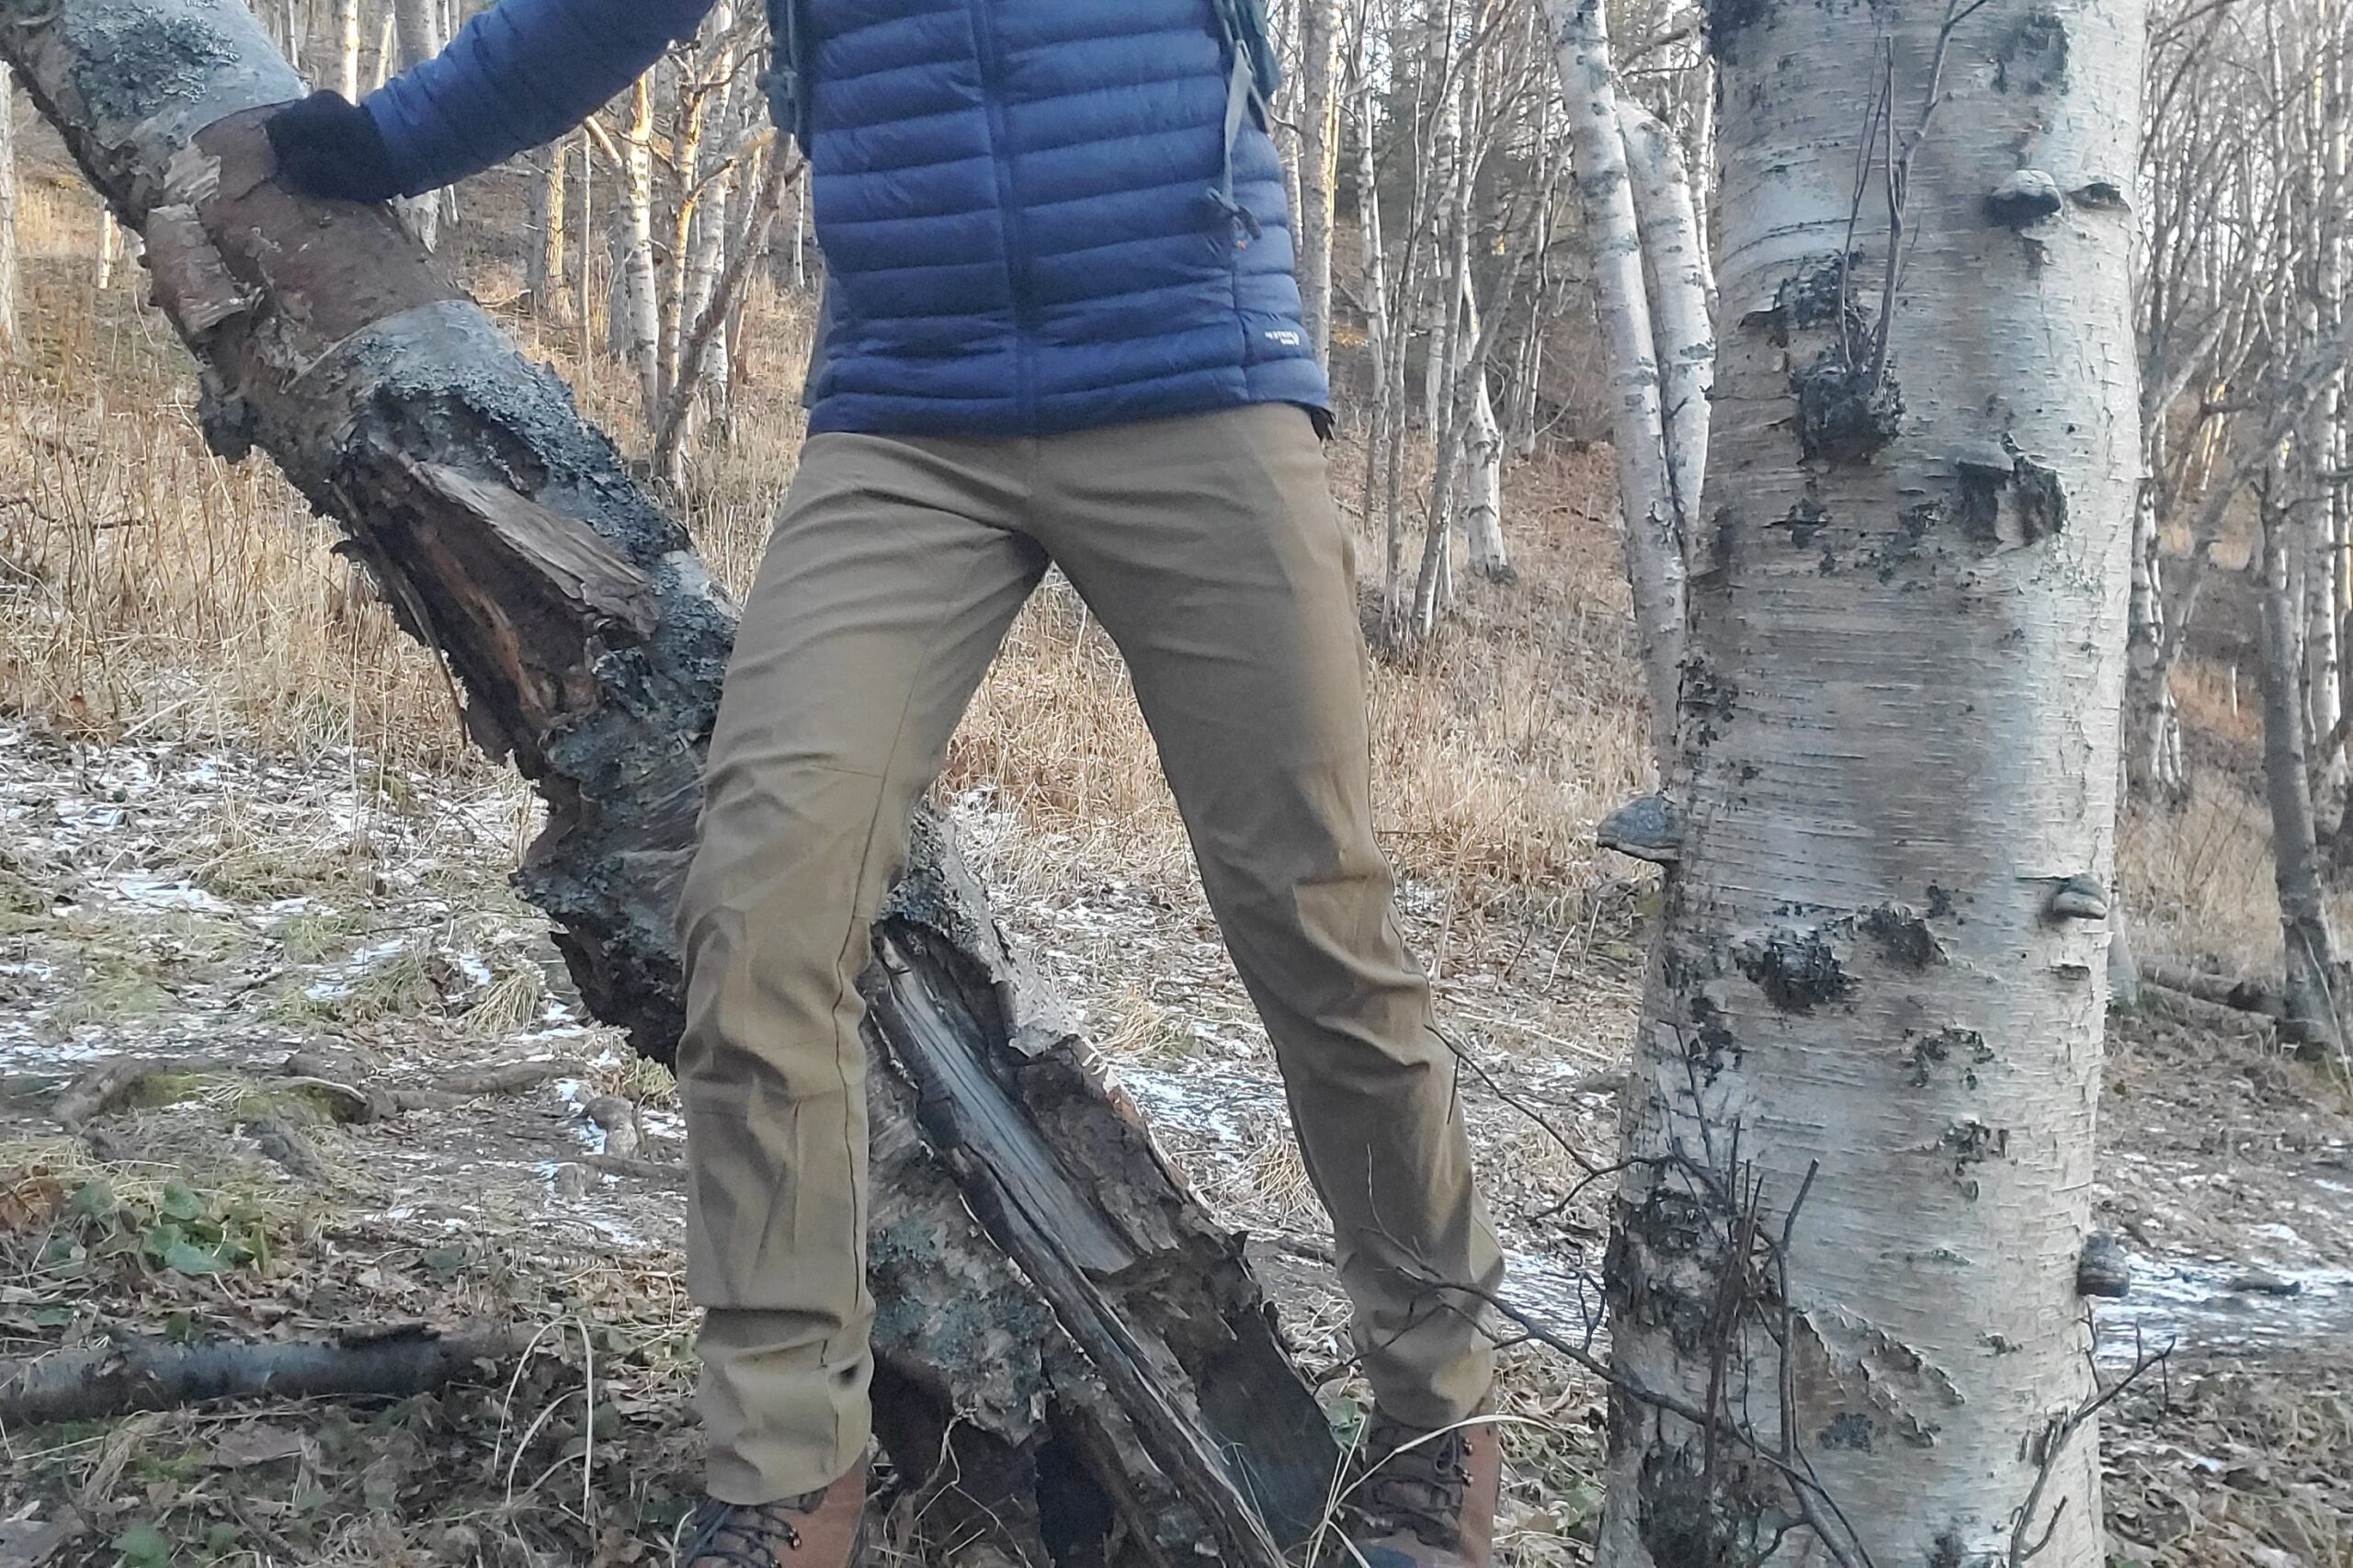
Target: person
{"points": [[1060, 326]]}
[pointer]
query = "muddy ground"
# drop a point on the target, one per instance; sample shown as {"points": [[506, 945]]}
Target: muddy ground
{"points": [[237, 919]]}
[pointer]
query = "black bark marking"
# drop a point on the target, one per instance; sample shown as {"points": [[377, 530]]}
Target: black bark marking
{"points": [[1930, 1052], [1723, 544], [1848, 1431], [2033, 58], [1902, 936], [1803, 520], [1708, 700], [1690, 1519], [1845, 413], [2042, 504], [2038, 501], [1796, 970], [1727, 20], [1969, 1144]]}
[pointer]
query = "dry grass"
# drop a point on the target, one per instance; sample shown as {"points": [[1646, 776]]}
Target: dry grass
{"points": [[148, 588]]}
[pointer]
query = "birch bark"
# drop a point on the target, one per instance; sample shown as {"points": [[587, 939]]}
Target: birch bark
{"points": [[1680, 287], [1319, 162], [347, 50], [637, 332], [1653, 528], [1860, 1116], [417, 26], [543, 264], [7, 210]]}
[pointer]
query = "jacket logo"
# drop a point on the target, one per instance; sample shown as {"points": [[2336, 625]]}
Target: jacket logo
{"points": [[1287, 337]]}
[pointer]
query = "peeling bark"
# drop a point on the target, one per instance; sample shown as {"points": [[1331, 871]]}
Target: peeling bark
{"points": [[1859, 1113], [505, 534]]}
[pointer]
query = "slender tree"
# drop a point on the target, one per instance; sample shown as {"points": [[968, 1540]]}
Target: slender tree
{"points": [[543, 264], [8, 209], [1319, 161], [1654, 526]]}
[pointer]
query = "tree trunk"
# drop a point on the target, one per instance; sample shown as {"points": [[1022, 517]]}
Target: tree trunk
{"points": [[1071, 1332], [704, 349], [1482, 488], [388, 49], [1680, 286], [417, 26], [543, 264], [1843, 1272], [2310, 946], [7, 210], [1319, 164], [636, 328], [1654, 531], [2151, 724], [347, 49]]}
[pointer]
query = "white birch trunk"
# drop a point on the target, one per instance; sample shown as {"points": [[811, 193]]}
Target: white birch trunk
{"points": [[1319, 164], [417, 24], [800, 236], [1680, 288], [387, 49], [1373, 263], [1899, 738], [111, 247], [638, 328], [2309, 942], [1447, 153], [7, 210], [1654, 529], [1482, 452], [347, 54], [1482, 489], [543, 264]]}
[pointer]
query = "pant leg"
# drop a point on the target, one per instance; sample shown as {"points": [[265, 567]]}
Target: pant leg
{"points": [[887, 588], [1210, 550]]}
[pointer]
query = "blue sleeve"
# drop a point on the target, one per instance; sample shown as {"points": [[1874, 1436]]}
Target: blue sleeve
{"points": [[521, 73]]}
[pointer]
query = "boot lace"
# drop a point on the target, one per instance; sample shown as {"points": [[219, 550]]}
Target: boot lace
{"points": [[735, 1535], [1419, 1489]]}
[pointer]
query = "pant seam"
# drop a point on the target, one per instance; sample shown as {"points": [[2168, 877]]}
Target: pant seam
{"points": [[846, 979]]}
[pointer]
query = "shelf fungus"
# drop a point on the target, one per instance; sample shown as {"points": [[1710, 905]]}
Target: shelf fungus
{"points": [[2078, 898], [2105, 1268], [1648, 829]]}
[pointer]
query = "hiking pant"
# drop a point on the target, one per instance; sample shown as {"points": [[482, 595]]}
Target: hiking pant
{"points": [[1210, 548]]}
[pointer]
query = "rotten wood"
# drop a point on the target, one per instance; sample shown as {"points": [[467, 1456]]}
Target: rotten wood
{"points": [[1073, 1357]]}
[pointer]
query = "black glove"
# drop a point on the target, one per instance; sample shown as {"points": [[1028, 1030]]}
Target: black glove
{"points": [[328, 147]]}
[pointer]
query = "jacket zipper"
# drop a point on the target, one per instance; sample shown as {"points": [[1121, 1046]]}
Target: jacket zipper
{"points": [[1008, 211]]}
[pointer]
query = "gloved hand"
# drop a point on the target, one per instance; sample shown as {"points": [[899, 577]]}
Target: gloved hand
{"points": [[329, 147]]}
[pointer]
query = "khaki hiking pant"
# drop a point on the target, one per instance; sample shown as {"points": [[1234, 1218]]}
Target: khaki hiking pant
{"points": [[1210, 549]]}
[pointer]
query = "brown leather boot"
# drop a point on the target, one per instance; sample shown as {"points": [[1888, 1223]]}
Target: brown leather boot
{"points": [[824, 1529], [1426, 1501]]}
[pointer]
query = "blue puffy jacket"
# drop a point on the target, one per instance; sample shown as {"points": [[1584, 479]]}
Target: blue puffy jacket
{"points": [[1037, 215]]}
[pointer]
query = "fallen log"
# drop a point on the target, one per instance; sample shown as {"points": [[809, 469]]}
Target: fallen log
{"points": [[106, 1381], [2240, 996], [1069, 1346]]}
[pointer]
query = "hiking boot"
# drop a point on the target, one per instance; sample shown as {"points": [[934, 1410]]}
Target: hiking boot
{"points": [[1424, 1500], [824, 1529]]}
